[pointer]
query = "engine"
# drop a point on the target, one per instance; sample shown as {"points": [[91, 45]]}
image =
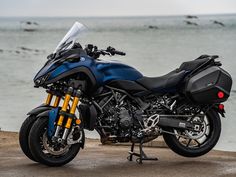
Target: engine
{"points": [[117, 119], [124, 121]]}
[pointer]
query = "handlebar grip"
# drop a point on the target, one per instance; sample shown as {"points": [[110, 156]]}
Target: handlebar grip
{"points": [[113, 51]]}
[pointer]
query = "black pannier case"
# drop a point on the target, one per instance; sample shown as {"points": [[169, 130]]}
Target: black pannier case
{"points": [[211, 85]]}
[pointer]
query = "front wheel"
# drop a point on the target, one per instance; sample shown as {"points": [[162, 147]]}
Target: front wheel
{"points": [[47, 152], [23, 136], [194, 144]]}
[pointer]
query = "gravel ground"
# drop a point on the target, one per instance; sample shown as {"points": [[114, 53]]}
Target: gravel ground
{"points": [[110, 161]]}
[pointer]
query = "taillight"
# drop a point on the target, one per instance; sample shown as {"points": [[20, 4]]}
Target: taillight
{"points": [[220, 94]]}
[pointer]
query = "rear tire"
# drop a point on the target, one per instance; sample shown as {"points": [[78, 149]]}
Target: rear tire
{"points": [[23, 136], [175, 145], [37, 147]]}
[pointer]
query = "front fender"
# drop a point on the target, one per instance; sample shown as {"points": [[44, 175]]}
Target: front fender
{"points": [[52, 115], [39, 109], [44, 113]]}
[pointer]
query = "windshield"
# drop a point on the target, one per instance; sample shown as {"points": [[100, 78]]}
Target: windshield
{"points": [[71, 36]]}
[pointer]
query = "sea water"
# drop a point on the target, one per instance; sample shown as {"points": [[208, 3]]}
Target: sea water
{"points": [[154, 51]]}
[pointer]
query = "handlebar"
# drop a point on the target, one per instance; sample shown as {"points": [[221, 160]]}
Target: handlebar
{"points": [[113, 51], [95, 53]]}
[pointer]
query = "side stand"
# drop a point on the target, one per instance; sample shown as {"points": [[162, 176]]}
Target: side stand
{"points": [[141, 155]]}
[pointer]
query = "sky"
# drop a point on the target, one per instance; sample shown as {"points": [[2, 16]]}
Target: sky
{"points": [[114, 7]]}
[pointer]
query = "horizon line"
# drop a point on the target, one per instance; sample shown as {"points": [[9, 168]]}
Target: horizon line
{"points": [[117, 16]]}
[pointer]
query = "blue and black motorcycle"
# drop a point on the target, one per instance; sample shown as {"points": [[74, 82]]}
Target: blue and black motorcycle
{"points": [[122, 105]]}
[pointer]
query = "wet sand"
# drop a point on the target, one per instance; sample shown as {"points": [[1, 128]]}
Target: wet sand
{"points": [[106, 161]]}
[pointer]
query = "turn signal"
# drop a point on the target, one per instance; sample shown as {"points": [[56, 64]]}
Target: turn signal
{"points": [[78, 121], [221, 94], [221, 107]]}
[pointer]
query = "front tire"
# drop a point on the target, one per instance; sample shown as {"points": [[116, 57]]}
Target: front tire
{"points": [[23, 136], [37, 146], [186, 148]]}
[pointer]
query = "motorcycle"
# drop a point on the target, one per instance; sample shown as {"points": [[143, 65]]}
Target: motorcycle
{"points": [[184, 106]]}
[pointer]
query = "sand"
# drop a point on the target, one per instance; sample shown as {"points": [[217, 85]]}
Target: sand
{"points": [[106, 161]]}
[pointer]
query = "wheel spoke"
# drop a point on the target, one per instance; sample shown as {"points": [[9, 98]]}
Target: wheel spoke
{"points": [[199, 144], [188, 142]]}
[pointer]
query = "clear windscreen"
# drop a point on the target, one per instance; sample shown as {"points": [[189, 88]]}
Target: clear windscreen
{"points": [[71, 36]]}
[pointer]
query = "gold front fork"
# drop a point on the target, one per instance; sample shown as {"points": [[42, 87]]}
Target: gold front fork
{"points": [[72, 115], [72, 112], [49, 99], [63, 110], [57, 101]]}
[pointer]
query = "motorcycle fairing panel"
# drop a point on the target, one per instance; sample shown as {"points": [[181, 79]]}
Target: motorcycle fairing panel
{"points": [[102, 71]]}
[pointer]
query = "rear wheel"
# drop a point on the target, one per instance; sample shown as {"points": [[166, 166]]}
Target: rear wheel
{"points": [[23, 136], [46, 151], [194, 144]]}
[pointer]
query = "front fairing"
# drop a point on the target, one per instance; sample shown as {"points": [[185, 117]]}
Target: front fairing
{"points": [[100, 71], [66, 49], [49, 66], [43, 75]]}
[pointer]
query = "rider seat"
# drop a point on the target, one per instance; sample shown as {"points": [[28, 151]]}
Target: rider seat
{"points": [[165, 82], [171, 80]]}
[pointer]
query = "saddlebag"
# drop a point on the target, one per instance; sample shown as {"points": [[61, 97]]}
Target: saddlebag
{"points": [[211, 85]]}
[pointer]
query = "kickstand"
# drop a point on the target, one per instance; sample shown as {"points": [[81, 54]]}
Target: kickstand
{"points": [[141, 156]]}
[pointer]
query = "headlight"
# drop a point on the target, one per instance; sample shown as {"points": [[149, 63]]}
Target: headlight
{"points": [[37, 82], [41, 80]]}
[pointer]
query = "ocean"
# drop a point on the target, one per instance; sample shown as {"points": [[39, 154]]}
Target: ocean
{"points": [[154, 45]]}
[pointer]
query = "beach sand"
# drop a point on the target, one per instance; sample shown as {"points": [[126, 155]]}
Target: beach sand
{"points": [[108, 160]]}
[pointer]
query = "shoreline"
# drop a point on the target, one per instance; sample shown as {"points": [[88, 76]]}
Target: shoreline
{"points": [[8, 138]]}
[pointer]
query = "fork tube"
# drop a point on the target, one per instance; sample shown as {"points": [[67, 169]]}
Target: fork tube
{"points": [[57, 101], [49, 99], [72, 113], [63, 109]]}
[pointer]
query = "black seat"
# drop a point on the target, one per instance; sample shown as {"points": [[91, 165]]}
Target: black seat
{"points": [[163, 83], [169, 81], [191, 65]]}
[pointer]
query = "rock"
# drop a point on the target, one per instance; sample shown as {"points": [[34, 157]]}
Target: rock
{"points": [[218, 23], [153, 27], [190, 23], [29, 26], [191, 16], [25, 49]]}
